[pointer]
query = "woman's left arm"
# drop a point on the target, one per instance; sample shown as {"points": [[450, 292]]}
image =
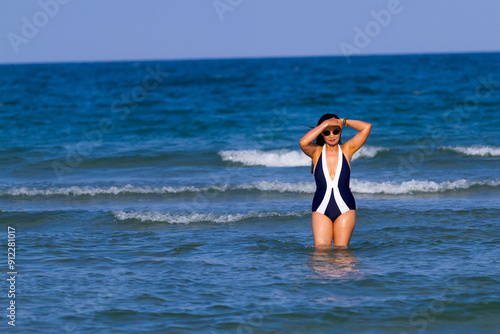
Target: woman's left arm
{"points": [[355, 143]]}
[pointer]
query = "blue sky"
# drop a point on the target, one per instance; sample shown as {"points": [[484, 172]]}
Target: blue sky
{"points": [[101, 30]]}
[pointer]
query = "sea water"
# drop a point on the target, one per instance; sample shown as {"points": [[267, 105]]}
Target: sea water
{"points": [[172, 197]]}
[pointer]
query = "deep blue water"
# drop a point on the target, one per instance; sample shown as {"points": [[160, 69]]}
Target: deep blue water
{"points": [[172, 197]]}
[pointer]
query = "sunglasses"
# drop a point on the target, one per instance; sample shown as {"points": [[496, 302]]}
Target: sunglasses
{"points": [[335, 132]]}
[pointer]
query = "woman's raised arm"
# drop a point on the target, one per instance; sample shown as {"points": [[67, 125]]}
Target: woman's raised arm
{"points": [[355, 143], [306, 144]]}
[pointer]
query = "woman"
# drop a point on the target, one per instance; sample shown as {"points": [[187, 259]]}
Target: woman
{"points": [[334, 209]]}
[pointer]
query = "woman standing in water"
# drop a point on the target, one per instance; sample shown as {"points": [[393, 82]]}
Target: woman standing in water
{"points": [[334, 208]]}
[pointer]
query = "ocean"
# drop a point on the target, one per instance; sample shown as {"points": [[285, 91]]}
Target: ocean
{"points": [[173, 197]]}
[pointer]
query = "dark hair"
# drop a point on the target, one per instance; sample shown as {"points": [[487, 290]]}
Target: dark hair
{"points": [[320, 141]]}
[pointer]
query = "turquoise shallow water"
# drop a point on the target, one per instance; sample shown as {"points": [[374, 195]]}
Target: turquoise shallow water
{"points": [[185, 207]]}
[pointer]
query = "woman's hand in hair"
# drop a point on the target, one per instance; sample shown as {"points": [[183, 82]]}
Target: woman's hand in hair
{"points": [[332, 122]]}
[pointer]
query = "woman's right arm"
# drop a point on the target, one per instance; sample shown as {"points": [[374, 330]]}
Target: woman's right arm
{"points": [[306, 144]]}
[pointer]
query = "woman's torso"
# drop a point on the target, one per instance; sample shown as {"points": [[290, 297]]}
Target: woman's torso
{"points": [[332, 164]]}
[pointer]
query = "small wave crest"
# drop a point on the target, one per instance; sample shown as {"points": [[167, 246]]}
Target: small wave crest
{"points": [[369, 187], [93, 191], [475, 150], [282, 187], [285, 158], [357, 186], [301, 187], [414, 186], [194, 217]]}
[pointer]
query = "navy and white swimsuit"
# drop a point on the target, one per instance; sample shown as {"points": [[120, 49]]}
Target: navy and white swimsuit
{"points": [[332, 197]]}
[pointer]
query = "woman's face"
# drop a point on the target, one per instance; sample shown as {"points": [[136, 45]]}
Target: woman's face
{"points": [[331, 134]]}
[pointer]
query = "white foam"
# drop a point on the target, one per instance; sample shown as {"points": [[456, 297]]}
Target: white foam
{"points": [[414, 186], [477, 150], [280, 158], [306, 187], [357, 186], [186, 218], [298, 187], [367, 187], [93, 191], [285, 158], [368, 152]]}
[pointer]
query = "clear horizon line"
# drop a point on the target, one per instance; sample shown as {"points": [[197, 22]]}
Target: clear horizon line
{"points": [[248, 57]]}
